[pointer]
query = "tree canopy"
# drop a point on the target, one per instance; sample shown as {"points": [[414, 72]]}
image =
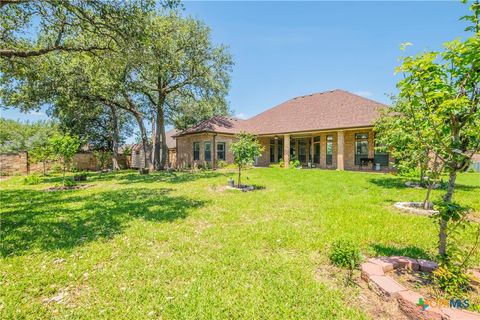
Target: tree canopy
{"points": [[156, 67], [437, 110], [245, 150]]}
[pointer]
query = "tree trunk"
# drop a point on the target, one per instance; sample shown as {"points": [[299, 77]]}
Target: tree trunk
{"points": [[239, 175], [451, 186], [154, 134], [63, 176], [426, 204], [143, 134], [160, 151], [44, 168], [442, 235], [115, 139]]}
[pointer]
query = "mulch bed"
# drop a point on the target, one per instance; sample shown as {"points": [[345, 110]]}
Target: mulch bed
{"points": [[246, 188], [62, 188]]}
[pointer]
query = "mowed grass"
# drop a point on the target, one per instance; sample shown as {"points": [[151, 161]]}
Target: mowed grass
{"points": [[179, 246]]}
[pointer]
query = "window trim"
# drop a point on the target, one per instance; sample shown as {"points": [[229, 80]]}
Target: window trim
{"points": [[329, 155], [222, 152], [272, 150], [360, 137], [196, 152], [209, 158]]}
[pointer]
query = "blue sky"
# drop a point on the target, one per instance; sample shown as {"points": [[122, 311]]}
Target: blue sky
{"points": [[286, 49]]}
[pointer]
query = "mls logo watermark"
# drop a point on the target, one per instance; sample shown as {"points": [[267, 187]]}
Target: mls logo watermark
{"points": [[425, 304]]}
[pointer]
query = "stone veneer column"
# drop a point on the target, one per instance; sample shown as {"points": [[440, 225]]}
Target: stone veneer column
{"points": [[275, 151], [340, 150], [213, 149], [286, 150]]}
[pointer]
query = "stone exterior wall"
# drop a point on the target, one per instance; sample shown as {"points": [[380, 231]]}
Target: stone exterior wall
{"points": [[185, 149], [14, 163], [184, 154], [264, 159]]}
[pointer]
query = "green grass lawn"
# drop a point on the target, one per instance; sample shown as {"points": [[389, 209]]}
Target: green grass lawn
{"points": [[179, 246]]}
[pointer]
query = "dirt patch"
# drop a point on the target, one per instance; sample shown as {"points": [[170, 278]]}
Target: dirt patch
{"points": [[422, 283], [358, 294], [68, 296], [62, 188], [215, 188]]}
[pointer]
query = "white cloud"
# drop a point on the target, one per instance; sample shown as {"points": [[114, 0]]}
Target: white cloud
{"points": [[364, 93], [241, 115]]}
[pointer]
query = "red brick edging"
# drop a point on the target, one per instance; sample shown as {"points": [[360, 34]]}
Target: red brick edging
{"points": [[374, 272]]}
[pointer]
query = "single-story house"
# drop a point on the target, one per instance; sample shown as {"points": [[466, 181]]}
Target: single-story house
{"points": [[138, 155], [332, 130]]}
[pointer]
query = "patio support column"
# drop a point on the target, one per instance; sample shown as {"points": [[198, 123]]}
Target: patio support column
{"points": [[275, 152], [214, 152], [286, 150], [340, 150], [312, 151]]}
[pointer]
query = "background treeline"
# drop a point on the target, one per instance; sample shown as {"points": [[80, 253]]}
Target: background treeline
{"points": [[104, 69]]}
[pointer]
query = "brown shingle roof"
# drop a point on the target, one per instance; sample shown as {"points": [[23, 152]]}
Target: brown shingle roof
{"points": [[336, 109], [219, 124]]}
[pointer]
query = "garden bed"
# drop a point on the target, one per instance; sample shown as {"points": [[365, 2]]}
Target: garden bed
{"points": [[418, 185], [422, 283], [415, 208], [245, 187], [409, 282], [61, 188]]}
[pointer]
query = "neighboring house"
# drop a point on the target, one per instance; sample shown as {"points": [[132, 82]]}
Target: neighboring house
{"points": [[332, 129], [138, 155]]}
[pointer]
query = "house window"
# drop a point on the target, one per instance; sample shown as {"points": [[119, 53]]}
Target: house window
{"points": [[329, 151], [380, 156], [280, 149], [316, 149], [361, 147], [302, 151], [293, 153], [196, 151], [208, 151], [272, 150], [221, 150]]}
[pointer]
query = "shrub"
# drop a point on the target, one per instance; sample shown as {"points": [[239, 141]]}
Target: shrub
{"points": [[345, 254], [32, 179], [69, 183], [206, 165], [56, 168], [295, 164], [281, 163], [451, 279], [221, 164], [80, 177]]}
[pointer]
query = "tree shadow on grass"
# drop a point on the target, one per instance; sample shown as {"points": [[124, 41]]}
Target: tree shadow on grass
{"points": [[399, 183], [129, 177], [38, 220], [388, 182], [409, 251]]}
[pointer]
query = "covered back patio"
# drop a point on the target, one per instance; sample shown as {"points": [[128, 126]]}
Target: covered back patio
{"points": [[352, 149]]}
